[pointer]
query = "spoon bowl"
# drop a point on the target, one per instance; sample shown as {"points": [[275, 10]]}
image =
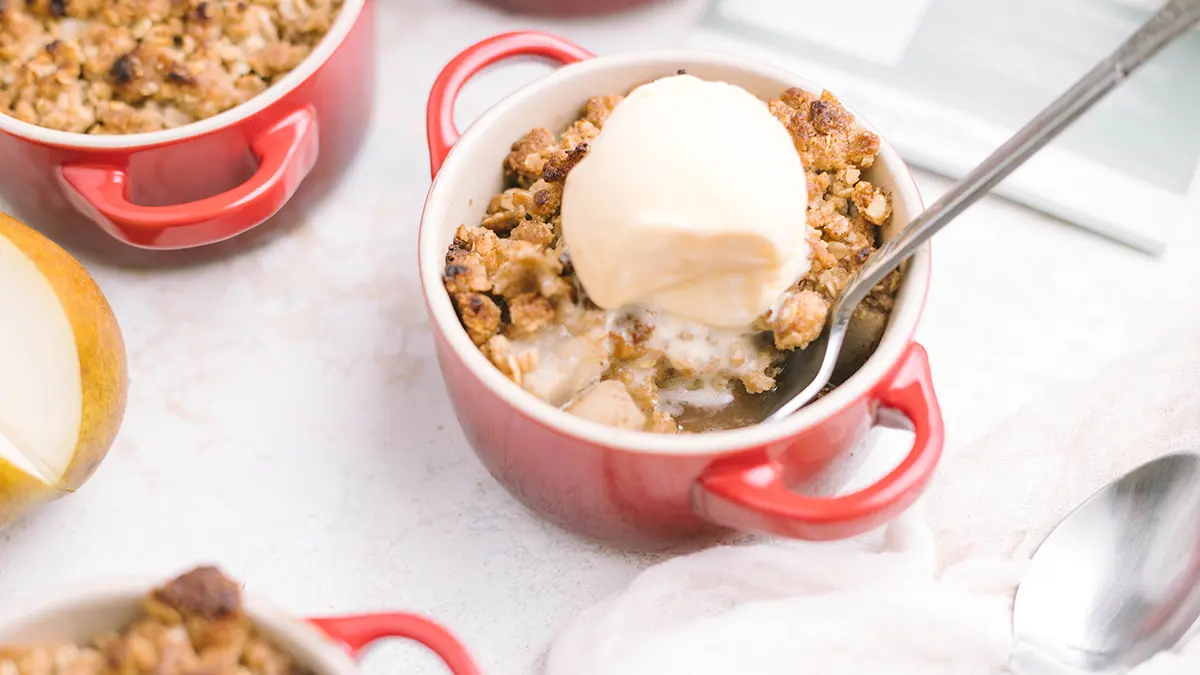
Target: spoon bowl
{"points": [[1119, 579]]}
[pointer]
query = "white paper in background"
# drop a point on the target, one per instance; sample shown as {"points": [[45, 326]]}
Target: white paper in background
{"points": [[881, 36], [971, 72]]}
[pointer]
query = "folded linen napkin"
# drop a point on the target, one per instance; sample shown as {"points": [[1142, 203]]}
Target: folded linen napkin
{"points": [[929, 594]]}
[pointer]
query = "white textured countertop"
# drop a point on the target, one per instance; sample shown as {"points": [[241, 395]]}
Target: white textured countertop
{"points": [[286, 418]]}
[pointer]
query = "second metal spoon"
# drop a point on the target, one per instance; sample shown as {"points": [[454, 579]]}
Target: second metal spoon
{"points": [[1117, 581]]}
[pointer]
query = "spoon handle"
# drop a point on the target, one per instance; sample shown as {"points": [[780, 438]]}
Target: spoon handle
{"points": [[1170, 22]]}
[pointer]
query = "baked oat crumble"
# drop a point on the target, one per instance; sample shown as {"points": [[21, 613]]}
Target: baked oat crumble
{"points": [[193, 625], [511, 281], [135, 66]]}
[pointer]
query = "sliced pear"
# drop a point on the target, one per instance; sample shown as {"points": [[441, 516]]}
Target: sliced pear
{"points": [[62, 372]]}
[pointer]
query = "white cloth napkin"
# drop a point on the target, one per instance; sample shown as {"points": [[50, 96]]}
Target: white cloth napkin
{"points": [[929, 594]]}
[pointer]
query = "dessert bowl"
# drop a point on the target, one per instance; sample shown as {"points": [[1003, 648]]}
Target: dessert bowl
{"points": [[325, 646], [130, 196], [633, 488]]}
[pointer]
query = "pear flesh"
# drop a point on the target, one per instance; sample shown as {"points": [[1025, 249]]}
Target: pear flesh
{"points": [[62, 372]]}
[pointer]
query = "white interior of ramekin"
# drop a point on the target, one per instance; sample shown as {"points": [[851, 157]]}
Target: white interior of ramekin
{"points": [[345, 20], [472, 173], [79, 615]]}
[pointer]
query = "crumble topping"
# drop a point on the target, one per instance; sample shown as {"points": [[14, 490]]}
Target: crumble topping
{"points": [[511, 281], [134, 66], [193, 625]]}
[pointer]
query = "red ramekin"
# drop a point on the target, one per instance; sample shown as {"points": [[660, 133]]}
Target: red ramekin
{"points": [[633, 488], [326, 646], [132, 198]]}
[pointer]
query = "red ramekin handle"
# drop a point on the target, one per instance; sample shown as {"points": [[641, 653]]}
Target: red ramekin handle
{"points": [[354, 633], [439, 116], [286, 152], [750, 494]]}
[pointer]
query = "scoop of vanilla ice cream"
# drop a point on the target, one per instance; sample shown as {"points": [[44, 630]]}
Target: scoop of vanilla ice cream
{"points": [[692, 200]]}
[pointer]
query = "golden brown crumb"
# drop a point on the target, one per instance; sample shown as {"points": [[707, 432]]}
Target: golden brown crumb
{"points": [[203, 592], [557, 167], [576, 135], [598, 108], [823, 131], [818, 184], [537, 232], [544, 198], [516, 206], [504, 212], [132, 66], [872, 203], [480, 316], [530, 269], [800, 320], [829, 117], [481, 242], [530, 313], [759, 382], [862, 148], [465, 272], [528, 155], [823, 252]]}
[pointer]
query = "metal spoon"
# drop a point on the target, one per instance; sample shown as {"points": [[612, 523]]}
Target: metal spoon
{"points": [[1119, 579], [808, 370]]}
